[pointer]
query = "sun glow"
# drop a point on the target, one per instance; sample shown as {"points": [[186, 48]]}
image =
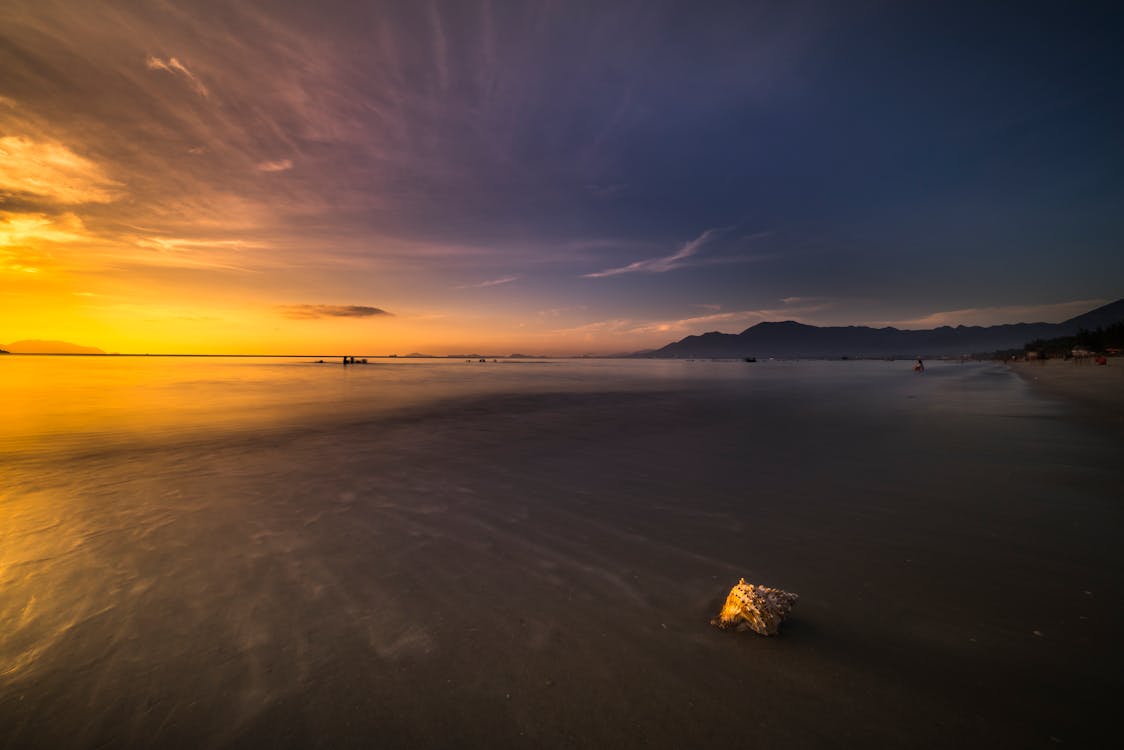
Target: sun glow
{"points": [[52, 171]]}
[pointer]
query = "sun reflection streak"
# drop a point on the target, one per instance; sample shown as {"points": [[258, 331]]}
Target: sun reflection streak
{"points": [[35, 612]]}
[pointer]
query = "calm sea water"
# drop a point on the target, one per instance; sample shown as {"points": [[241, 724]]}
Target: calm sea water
{"points": [[227, 552], [56, 405], [60, 404]]}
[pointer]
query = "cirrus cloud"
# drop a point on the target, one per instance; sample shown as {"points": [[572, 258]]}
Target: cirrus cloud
{"points": [[677, 259], [281, 165], [489, 282], [175, 67]]}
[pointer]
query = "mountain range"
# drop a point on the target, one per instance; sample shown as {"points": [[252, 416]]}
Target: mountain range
{"points": [[791, 339], [35, 346]]}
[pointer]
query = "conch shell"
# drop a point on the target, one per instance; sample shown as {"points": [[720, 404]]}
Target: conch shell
{"points": [[758, 608]]}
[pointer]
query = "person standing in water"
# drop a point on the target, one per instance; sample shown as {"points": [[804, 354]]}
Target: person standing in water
{"points": [[920, 366]]}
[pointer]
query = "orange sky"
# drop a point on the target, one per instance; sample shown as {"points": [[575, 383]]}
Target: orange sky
{"points": [[455, 177], [91, 263]]}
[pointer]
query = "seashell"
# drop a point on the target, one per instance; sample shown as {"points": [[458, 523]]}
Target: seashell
{"points": [[758, 608]]}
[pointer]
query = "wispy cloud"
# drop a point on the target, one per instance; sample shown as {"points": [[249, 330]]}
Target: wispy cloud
{"points": [[555, 312], [490, 282], [213, 253], [677, 259], [52, 172], [987, 316], [191, 243], [663, 331], [310, 312], [21, 230], [631, 328], [801, 309], [33, 242], [280, 165], [175, 67]]}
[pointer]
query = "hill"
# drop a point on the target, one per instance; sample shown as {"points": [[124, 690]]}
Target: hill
{"points": [[36, 346], [1102, 317], [792, 339]]}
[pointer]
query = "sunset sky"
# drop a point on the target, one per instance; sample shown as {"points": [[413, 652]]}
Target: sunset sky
{"points": [[549, 177]]}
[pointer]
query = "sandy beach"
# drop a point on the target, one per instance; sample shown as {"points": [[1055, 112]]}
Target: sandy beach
{"points": [[538, 569], [1096, 391]]}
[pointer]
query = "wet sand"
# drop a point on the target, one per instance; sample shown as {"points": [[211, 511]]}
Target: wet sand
{"points": [[538, 570], [1097, 391]]}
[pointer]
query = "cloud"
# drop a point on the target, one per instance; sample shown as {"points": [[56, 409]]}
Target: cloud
{"points": [[175, 67], [555, 312], [189, 243], [216, 253], [275, 166], [311, 312], [988, 316], [491, 282], [28, 241], [19, 230], [667, 263], [630, 328], [52, 172], [655, 331]]}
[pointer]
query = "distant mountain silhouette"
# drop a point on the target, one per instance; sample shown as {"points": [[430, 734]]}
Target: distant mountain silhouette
{"points": [[1099, 318], [792, 339], [35, 346]]}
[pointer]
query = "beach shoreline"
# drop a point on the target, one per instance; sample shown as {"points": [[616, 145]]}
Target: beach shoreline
{"points": [[1095, 392]]}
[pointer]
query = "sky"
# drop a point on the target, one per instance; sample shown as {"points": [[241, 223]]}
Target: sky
{"points": [[549, 177]]}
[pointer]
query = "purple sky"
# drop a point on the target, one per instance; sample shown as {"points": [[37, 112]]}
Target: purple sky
{"points": [[557, 177]]}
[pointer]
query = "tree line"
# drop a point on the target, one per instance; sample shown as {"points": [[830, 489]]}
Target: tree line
{"points": [[1098, 341]]}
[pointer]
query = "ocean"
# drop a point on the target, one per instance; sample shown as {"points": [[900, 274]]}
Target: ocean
{"points": [[216, 552]]}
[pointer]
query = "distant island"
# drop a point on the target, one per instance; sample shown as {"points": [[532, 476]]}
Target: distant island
{"points": [[791, 339], [36, 346]]}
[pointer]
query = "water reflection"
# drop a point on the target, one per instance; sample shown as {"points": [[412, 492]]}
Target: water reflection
{"points": [[53, 404], [188, 544]]}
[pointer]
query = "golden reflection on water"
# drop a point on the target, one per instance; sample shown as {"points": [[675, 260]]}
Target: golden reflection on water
{"points": [[107, 474], [54, 402], [160, 587], [72, 530], [112, 468]]}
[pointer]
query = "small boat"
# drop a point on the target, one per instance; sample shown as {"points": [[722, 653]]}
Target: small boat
{"points": [[751, 359]]}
